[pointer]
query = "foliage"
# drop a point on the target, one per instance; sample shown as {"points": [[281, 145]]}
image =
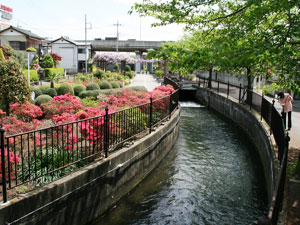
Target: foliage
{"points": [[56, 70], [78, 89], [92, 93], [159, 73], [42, 99], [293, 170], [43, 88], [89, 102], [99, 73], [138, 88], [13, 84], [2, 57], [51, 92], [92, 86], [26, 111], [47, 61], [34, 76], [114, 84], [61, 104], [127, 68], [13, 160], [37, 92], [105, 85], [31, 49], [9, 51], [54, 77], [56, 58], [130, 74], [64, 89], [116, 68]]}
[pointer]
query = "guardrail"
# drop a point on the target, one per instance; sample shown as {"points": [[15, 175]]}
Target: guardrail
{"points": [[41, 156], [271, 115]]}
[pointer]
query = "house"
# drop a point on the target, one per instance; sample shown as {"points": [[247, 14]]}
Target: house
{"points": [[19, 38], [73, 54]]}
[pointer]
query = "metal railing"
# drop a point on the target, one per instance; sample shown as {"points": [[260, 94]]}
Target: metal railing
{"points": [[41, 156], [271, 115]]}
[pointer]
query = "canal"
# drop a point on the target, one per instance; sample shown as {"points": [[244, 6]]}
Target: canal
{"points": [[212, 176]]}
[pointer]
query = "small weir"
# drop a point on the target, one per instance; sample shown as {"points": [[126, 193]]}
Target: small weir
{"points": [[212, 176]]}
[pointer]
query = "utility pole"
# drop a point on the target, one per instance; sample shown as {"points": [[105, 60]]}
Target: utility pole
{"points": [[86, 47], [140, 28], [117, 45]]}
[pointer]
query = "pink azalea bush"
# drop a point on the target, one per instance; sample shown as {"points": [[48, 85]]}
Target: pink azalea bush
{"points": [[26, 112], [13, 159]]}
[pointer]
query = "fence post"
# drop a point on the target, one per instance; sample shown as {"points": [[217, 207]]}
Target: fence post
{"points": [[261, 107], [150, 117], [4, 188], [227, 89], [218, 86], [240, 93], [273, 102], [106, 132], [170, 105]]}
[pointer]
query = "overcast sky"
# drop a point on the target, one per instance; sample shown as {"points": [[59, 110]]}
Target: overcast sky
{"points": [[58, 18]]}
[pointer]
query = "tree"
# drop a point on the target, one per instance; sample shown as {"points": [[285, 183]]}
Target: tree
{"points": [[2, 57], [13, 84], [47, 61], [56, 58], [261, 33]]}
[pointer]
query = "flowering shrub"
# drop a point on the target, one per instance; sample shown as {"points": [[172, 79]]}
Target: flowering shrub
{"points": [[61, 104], [56, 58], [13, 160], [14, 126], [26, 111]]}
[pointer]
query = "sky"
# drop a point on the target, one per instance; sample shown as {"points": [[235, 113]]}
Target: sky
{"points": [[56, 18]]}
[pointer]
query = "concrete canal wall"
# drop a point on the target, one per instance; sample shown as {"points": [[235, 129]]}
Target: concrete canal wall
{"points": [[250, 122], [84, 195]]}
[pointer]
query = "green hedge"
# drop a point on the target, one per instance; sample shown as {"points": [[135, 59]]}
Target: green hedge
{"points": [[34, 76], [94, 94], [54, 70]]}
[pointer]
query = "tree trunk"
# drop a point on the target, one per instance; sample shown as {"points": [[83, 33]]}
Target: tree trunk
{"points": [[210, 77], [7, 108], [249, 86], [52, 84]]}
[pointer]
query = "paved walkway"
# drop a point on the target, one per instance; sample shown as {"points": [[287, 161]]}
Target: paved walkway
{"points": [[145, 80]]}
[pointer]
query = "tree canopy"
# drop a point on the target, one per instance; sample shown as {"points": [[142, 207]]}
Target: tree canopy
{"points": [[255, 36]]}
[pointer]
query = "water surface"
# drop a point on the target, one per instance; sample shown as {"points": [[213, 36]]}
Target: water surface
{"points": [[212, 176]]}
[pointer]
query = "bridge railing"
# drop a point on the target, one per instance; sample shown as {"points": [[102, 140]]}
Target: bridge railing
{"points": [[271, 115], [40, 156]]}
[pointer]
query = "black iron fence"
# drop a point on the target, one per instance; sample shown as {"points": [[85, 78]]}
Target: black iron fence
{"points": [[271, 115], [41, 156]]}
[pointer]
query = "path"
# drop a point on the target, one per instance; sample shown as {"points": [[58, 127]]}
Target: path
{"points": [[145, 80]]}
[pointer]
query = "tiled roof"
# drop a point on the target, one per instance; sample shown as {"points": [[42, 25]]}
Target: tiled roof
{"points": [[26, 32]]}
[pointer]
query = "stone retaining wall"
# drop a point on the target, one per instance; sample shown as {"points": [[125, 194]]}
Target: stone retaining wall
{"points": [[84, 195]]}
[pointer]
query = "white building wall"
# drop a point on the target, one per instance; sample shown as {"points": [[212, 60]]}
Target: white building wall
{"points": [[69, 55], [11, 35]]}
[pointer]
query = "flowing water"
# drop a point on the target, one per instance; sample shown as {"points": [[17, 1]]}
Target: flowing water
{"points": [[211, 176]]}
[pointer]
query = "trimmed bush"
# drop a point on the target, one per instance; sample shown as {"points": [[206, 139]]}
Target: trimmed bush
{"points": [[138, 88], [64, 89], [159, 73], [54, 71], [116, 68], [42, 99], [93, 93], [114, 84], [51, 91], [92, 86], [99, 73], [78, 89], [34, 76], [127, 68], [105, 85], [130, 74], [37, 92], [43, 88], [47, 61]]}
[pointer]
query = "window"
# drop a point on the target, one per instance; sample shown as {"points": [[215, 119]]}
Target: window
{"points": [[81, 51], [17, 45]]}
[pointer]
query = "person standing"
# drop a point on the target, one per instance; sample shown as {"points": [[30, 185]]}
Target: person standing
{"points": [[285, 100]]}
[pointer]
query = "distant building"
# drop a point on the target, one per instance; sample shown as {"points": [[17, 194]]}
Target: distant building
{"points": [[73, 54], [19, 38]]}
